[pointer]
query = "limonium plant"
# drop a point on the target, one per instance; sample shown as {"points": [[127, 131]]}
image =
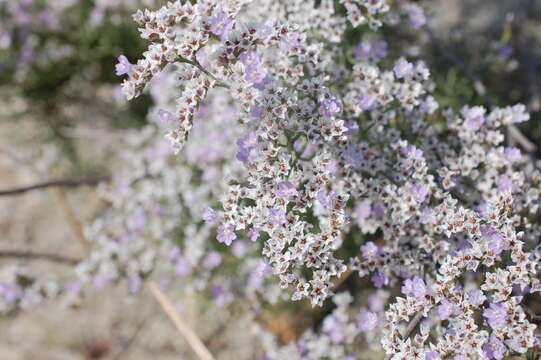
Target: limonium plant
{"points": [[276, 148]]}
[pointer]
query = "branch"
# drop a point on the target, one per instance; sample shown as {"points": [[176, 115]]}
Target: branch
{"points": [[31, 255], [56, 183], [412, 325], [189, 335], [480, 88], [345, 275], [196, 63]]}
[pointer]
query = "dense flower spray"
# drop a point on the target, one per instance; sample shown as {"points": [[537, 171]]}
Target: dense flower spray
{"points": [[288, 144]]}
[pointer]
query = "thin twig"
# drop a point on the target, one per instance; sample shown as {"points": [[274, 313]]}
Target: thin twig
{"points": [[55, 183], [532, 314], [189, 335], [345, 275], [412, 325], [480, 88], [196, 63], [32, 255]]}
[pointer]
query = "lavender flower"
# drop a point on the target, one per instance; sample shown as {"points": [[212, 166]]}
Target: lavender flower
{"points": [[253, 233], [496, 314], [286, 190], [124, 66], [416, 18], [209, 215], [446, 309], [379, 279], [367, 321], [363, 209], [494, 349], [403, 68], [226, 234], [277, 216], [221, 24], [165, 116], [212, 260], [369, 250]]}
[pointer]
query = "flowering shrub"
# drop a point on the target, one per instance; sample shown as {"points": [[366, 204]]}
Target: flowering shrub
{"points": [[294, 161]]}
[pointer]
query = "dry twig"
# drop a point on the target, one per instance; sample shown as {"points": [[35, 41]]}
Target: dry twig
{"points": [[32, 255], [189, 335], [55, 183]]}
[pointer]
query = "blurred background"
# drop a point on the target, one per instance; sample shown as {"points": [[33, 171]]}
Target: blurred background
{"points": [[63, 116]]}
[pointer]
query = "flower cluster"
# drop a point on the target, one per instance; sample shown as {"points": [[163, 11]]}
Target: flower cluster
{"points": [[328, 153], [293, 154]]}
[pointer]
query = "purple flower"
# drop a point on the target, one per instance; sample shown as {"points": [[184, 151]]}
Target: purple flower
{"points": [[379, 279], [369, 250], [212, 260], [239, 249], [496, 243], [331, 107], [402, 68], [428, 216], [220, 296], [352, 126], [415, 287], [202, 57], [226, 234], [326, 199], [363, 209], [263, 269], [495, 314], [366, 101], [286, 190], [376, 302], [209, 215], [221, 24], [446, 309], [512, 154], [165, 116], [432, 355], [515, 344], [419, 192], [243, 155], [367, 321], [417, 18], [505, 184], [123, 66], [506, 51], [474, 118], [182, 267], [362, 51], [476, 297], [379, 48], [10, 293], [429, 105], [494, 349], [376, 49], [334, 329], [253, 233], [277, 216], [254, 70], [246, 145], [352, 157]]}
